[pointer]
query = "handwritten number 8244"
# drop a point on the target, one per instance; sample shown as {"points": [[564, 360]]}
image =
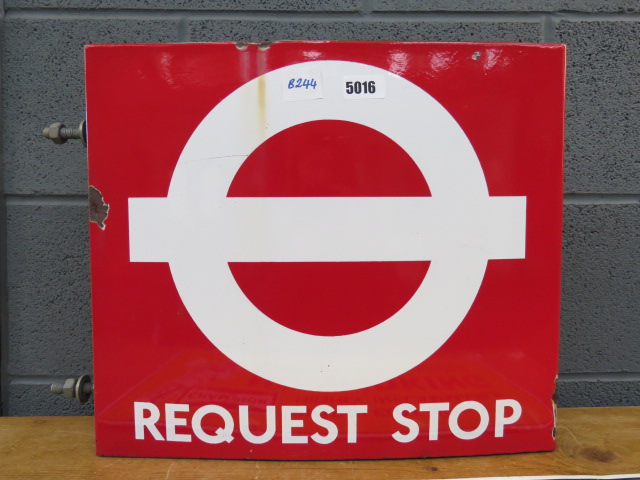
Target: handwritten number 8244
{"points": [[305, 83]]}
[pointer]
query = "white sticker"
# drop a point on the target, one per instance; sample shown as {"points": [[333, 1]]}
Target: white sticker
{"points": [[359, 87], [303, 84]]}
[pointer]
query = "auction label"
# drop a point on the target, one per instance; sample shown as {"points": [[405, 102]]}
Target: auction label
{"points": [[302, 84], [369, 86]]}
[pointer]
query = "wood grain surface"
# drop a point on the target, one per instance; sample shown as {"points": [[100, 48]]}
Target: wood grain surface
{"points": [[591, 441]]}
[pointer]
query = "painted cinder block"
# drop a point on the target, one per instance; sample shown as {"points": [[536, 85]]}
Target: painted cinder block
{"points": [[49, 293], [260, 30], [603, 75], [598, 393], [260, 5], [601, 289], [37, 400], [590, 6], [43, 82]]}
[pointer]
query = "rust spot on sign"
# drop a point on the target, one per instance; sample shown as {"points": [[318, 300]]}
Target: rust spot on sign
{"points": [[265, 45], [262, 104], [98, 209]]}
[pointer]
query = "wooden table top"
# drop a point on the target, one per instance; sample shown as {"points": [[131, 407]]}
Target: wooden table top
{"points": [[591, 441]]}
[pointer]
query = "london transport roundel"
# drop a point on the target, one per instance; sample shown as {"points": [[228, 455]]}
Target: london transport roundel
{"points": [[319, 250]]}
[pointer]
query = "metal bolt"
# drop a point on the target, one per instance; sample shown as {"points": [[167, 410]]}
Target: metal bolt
{"points": [[79, 388], [58, 133], [57, 388]]}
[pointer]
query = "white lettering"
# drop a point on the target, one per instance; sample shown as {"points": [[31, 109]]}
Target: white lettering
{"points": [[288, 424], [476, 432], [170, 410], [352, 412], [141, 421], [222, 434], [221, 426], [270, 431], [412, 425], [501, 420], [434, 409], [329, 426]]}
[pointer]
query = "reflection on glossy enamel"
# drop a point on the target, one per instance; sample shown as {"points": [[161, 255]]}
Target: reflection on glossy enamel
{"points": [[398, 62], [312, 55], [165, 67], [494, 58], [441, 61]]}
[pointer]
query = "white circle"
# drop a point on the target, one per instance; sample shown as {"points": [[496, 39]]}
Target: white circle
{"points": [[197, 197]]}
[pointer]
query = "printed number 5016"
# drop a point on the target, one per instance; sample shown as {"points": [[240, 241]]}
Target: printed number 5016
{"points": [[358, 88]]}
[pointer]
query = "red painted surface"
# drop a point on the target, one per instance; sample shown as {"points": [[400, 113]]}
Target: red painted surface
{"points": [[144, 102]]}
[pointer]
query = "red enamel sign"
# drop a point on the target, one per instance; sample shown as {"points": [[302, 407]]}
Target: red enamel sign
{"points": [[323, 250]]}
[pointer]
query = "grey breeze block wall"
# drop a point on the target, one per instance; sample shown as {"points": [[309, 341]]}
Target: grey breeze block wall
{"points": [[46, 315]]}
